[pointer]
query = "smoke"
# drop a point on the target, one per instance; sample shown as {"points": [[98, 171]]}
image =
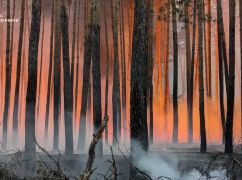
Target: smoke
{"points": [[156, 166]]}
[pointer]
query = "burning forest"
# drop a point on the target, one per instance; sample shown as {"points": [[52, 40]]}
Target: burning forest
{"points": [[121, 89]]}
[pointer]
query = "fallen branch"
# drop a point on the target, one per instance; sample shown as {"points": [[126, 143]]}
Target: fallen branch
{"points": [[91, 152]]}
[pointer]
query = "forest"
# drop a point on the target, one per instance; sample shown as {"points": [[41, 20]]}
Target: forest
{"points": [[121, 89]]}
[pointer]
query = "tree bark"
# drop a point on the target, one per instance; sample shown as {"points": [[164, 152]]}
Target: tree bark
{"points": [[230, 82], [17, 86], [30, 149], [175, 73], [150, 55], [116, 79], [7, 81], [240, 15], [188, 73], [203, 145], [50, 71], [85, 81], [68, 91], [139, 71], [57, 57]]}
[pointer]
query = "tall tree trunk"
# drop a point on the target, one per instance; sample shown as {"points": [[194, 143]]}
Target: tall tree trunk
{"points": [[203, 146], [150, 55], [41, 54], [7, 80], [190, 115], [230, 82], [50, 72], [116, 79], [17, 86], [188, 73], [139, 71], [12, 32], [68, 91], [85, 82], [107, 72], [221, 57], [57, 57], [240, 15], [30, 149], [123, 63], [175, 73], [209, 53], [96, 73]]}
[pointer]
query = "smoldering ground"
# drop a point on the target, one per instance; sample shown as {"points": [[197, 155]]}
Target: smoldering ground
{"points": [[157, 165]]}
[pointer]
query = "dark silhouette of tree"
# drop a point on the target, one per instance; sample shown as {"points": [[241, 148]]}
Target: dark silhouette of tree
{"points": [[116, 79], [221, 57], [68, 91], [85, 81], [57, 57], [30, 148], [50, 70], [203, 146], [41, 55], [175, 73], [96, 74], [107, 72], [7, 81], [230, 82], [188, 73], [17, 86], [139, 68], [150, 41]]}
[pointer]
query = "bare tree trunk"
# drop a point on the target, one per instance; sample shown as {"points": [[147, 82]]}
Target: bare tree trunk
{"points": [[230, 82], [190, 115], [139, 71], [203, 146], [96, 73], [221, 57], [85, 85], [150, 55], [57, 57], [17, 86], [30, 149], [41, 54], [240, 15], [175, 74], [123, 63], [188, 73], [7, 81], [116, 79], [50, 72], [68, 91], [107, 72]]}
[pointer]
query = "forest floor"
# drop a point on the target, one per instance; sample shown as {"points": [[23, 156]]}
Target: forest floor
{"points": [[181, 161]]}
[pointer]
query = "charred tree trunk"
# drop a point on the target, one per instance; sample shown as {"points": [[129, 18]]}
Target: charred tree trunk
{"points": [[7, 81], [116, 79], [221, 57], [188, 73], [150, 41], [17, 86], [41, 55], [240, 15], [30, 149], [85, 85], [203, 146], [107, 73], [230, 82], [68, 91], [192, 64], [96, 73], [57, 57], [175, 73], [49, 72], [139, 71]]}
